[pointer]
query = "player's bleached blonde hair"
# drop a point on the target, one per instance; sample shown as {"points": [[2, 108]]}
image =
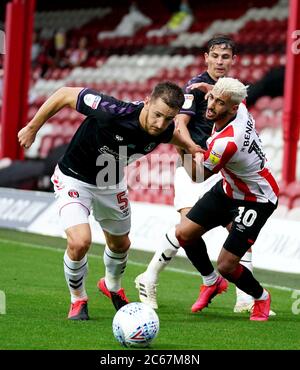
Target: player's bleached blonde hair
{"points": [[232, 87]]}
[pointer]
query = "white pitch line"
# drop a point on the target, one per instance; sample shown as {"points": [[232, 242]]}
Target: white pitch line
{"points": [[181, 271]]}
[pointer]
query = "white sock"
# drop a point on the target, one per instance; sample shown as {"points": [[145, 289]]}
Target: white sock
{"points": [[210, 279], [162, 256], [264, 296], [247, 262], [115, 264], [75, 274]]}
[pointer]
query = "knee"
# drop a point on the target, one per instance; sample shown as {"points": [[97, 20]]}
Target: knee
{"points": [[118, 244], [183, 237], [78, 245]]}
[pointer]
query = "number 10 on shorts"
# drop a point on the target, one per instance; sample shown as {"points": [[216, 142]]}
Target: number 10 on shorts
{"points": [[247, 218]]}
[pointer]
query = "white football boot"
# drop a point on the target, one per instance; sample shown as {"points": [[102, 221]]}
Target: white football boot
{"points": [[147, 291]]}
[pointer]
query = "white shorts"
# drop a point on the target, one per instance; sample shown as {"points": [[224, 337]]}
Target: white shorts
{"points": [[187, 192], [76, 199]]}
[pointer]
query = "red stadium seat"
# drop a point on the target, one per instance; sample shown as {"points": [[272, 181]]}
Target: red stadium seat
{"points": [[246, 60], [262, 102], [277, 103], [257, 74], [284, 200], [294, 190], [261, 122], [31, 112], [295, 203], [46, 145], [284, 194], [258, 59], [277, 120]]}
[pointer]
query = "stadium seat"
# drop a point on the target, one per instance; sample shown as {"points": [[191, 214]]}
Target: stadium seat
{"points": [[262, 102], [284, 200], [120, 67], [294, 193], [276, 104]]}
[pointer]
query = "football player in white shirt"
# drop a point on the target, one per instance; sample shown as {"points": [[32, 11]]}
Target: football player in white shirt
{"points": [[247, 196]]}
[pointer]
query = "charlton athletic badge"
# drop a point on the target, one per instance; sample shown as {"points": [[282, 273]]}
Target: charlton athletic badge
{"points": [[73, 193]]}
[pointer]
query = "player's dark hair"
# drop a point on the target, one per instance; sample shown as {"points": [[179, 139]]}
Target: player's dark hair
{"points": [[170, 93], [219, 40]]}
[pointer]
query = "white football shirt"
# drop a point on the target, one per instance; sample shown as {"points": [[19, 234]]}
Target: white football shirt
{"points": [[237, 152]]}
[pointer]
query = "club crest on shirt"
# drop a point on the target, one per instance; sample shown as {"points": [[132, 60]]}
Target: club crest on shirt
{"points": [[73, 193], [92, 100], [214, 157], [149, 147], [188, 101]]}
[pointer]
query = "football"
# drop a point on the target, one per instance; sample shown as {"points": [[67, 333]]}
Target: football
{"points": [[135, 325]]}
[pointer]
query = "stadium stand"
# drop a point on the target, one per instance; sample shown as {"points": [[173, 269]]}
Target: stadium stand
{"points": [[129, 66]]}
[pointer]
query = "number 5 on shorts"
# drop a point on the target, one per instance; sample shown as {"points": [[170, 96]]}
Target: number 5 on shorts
{"points": [[122, 200]]}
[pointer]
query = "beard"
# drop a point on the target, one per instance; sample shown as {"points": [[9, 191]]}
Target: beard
{"points": [[218, 117], [221, 116]]}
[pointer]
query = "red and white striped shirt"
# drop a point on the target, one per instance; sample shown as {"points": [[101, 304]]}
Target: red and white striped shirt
{"points": [[237, 152]]}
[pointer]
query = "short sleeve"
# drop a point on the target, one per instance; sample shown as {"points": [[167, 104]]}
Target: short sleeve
{"points": [[218, 154], [93, 103], [189, 105], [191, 99]]}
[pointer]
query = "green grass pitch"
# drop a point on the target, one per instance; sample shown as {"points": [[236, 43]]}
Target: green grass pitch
{"points": [[37, 302]]}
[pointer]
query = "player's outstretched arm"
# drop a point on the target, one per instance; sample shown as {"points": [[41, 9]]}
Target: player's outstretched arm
{"points": [[64, 97], [182, 121], [203, 86], [194, 166], [185, 142]]}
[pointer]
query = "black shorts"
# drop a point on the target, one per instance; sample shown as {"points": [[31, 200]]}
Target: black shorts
{"points": [[215, 208]]}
